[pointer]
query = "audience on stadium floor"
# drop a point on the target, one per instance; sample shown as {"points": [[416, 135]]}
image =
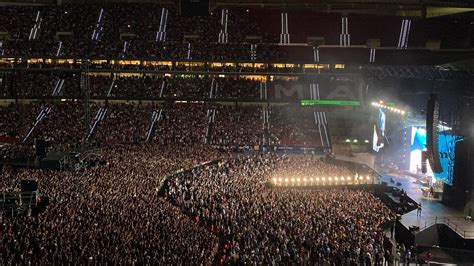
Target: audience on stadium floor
{"points": [[275, 226], [109, 214], [308, 167], [121, 219]]}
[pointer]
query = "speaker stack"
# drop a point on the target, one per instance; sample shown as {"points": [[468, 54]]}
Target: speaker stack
{"points": [[424, 159], [432, 121], [28, 185]]}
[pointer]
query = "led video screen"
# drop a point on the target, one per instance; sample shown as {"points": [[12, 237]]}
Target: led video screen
{"points": [[446, 145], [379, 132]]}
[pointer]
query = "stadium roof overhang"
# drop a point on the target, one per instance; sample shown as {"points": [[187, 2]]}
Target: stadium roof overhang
{"points": [[412, 8]]}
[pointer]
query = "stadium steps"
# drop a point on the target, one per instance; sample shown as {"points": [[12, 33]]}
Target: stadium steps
{"points": [[155, 118], [45, 110], [210, 116], [100, 115]]}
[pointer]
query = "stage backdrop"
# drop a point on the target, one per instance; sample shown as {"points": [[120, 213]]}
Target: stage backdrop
{"points": [[353, 89]]}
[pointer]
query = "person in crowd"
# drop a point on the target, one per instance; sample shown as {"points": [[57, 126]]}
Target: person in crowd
{"points": [[109, 214]]}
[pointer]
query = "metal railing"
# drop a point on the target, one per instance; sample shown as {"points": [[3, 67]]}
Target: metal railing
{"points": [[446, 255], [12, 203], [452, 224]]}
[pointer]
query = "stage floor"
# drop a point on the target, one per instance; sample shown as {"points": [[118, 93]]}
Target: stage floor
{"points": [[432, 212]]}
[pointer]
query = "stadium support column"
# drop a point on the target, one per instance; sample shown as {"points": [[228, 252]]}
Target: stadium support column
{"points": [[161, 33], [253, 52], [320, 118], [404, 33], [345, 37], [316, 57], [372, 55], [223, 35], [211, 117], [263, 91], [98, 27], [45, 110], [85, 87], [211, 112], [155, 118], [284, 36], [34, 30], [265, 116], [266, 128]]}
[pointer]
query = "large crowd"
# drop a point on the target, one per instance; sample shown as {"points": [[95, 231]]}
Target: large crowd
{"points": [[109, 214], [261, 224], [128, 86], [293, 126], [237, 125], [131, 30], [127, 31], [63, 123], [131, 122], [165, 195], [161, 204]]}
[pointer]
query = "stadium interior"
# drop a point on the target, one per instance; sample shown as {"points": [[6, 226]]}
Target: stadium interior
{"points": [[223, 132]]}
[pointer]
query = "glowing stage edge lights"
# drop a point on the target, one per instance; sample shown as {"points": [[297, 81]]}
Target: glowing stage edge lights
{"points": [[329, 102], [322, 181], [389, 108]]}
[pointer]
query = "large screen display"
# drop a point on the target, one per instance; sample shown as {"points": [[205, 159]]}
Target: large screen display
{"points": [[446, 145], [379, 132], [417, 145]]}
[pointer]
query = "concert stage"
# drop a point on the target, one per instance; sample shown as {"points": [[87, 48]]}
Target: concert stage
{"points": [[433, 211], [441, 230]]}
